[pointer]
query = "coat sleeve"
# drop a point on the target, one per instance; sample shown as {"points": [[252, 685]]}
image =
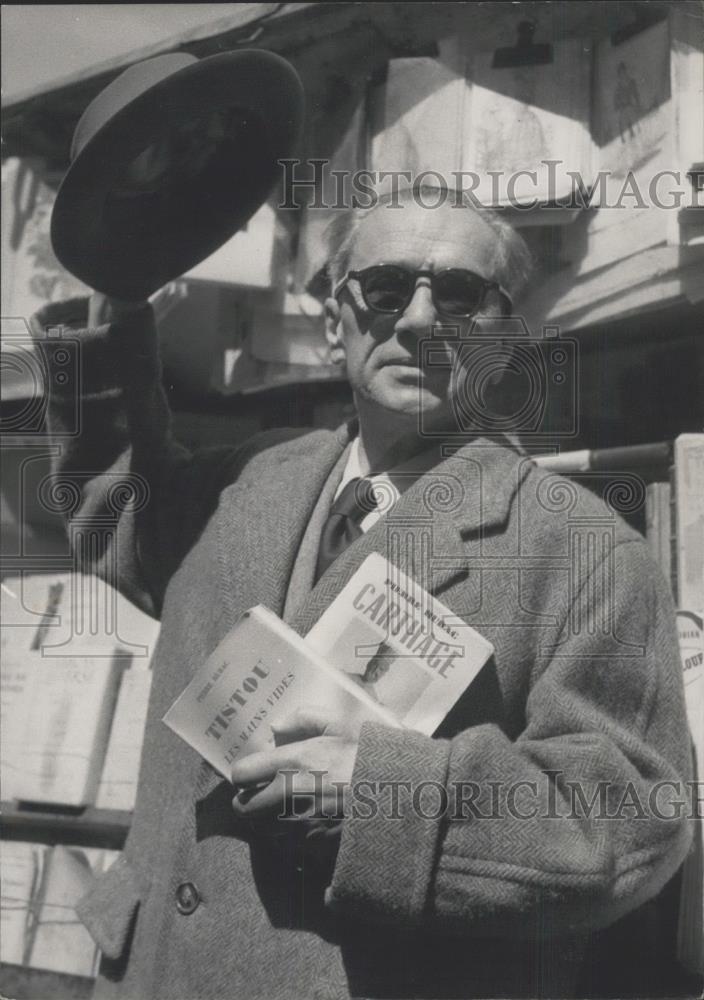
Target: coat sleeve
{"points": [[566, 828], [133, 498]]}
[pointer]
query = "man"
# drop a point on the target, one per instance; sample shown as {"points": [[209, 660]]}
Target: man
{"points": [[500, 891]]}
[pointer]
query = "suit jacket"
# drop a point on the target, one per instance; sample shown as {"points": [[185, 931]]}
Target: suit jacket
{"points": [[545, 831]]}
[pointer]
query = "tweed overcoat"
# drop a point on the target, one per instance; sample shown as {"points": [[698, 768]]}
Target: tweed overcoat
{"points": [[486, 876]]}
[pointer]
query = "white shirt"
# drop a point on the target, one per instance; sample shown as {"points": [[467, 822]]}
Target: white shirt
{"points": [[387, 486]]}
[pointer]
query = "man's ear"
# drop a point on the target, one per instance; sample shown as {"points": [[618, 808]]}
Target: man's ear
{"points": [[333, 331]]}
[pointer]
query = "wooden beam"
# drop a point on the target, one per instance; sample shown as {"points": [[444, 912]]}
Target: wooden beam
{"points": [[80, 827], [311, 34]]}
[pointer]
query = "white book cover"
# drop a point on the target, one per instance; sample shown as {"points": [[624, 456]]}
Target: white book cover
{"points": [[689, 513], [261, 672], [403, 647], [65, 715]]}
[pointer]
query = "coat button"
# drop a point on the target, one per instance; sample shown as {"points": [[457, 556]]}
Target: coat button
{"points": [[187, 898]]}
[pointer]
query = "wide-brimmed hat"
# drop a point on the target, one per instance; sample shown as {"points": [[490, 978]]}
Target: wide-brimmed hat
{"points": [[127, 239]]}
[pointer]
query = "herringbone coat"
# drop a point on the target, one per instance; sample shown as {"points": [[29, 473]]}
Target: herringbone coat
{"points": [[500, 896]]}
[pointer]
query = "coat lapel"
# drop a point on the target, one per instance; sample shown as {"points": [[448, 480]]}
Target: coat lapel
{"points": [[468, 495], [262, 518]]}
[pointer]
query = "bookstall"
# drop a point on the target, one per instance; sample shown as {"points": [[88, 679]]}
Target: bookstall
{"points": [[619, 281]]}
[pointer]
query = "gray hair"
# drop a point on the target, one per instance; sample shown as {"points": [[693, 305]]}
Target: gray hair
{"points": [[513, 264]]}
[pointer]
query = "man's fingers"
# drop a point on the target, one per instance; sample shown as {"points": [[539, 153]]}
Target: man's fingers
{"points": [[300, 725], [270, 800], [263, 765], [257, 768], [262, 801]]}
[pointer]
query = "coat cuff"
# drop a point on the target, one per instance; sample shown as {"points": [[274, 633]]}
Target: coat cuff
{"points": [[390, 835]]}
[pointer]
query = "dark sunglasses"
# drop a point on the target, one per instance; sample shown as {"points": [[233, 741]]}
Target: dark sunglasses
{"points": [[387, 288]]}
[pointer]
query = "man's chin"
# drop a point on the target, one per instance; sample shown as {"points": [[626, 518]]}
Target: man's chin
{"points": [[417, 402]]}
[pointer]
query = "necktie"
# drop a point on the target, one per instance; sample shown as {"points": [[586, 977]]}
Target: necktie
{"points": [[343, 523]]}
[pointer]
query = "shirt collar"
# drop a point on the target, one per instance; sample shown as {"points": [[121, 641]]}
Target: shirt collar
{"points": [[389, 484]]}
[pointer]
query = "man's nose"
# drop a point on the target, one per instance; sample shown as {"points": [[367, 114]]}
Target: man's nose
{"points": [[419, 315]]}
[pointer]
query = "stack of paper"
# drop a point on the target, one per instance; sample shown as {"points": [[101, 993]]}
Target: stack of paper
{"points": [[40, 888]]}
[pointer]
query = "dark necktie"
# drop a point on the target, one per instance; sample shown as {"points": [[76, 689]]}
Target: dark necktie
{"points": [[343, 524]]}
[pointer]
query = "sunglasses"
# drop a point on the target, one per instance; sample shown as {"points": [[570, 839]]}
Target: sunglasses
{"points": [[455, 291]]}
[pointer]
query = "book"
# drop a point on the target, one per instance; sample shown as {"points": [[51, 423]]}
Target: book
{"points": [[657, 524], [118, 782], [70, 614], [20, 876], [401, 645], [65, 716], [261, 672], [384, 650], [688, 498], [28, 607], [65, 640], [691, 639], [15, 673], [60, 942], [40, 888], [690, 935]]}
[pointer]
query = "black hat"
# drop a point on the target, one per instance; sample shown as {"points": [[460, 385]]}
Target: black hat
{"points": [[234, 114]]}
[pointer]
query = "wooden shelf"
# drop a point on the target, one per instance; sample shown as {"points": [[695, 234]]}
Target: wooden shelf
{"points": [[28, 984], [88, 827]]}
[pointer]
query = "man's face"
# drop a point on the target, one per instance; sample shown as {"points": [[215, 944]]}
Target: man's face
{"points": [[381, 351]]}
